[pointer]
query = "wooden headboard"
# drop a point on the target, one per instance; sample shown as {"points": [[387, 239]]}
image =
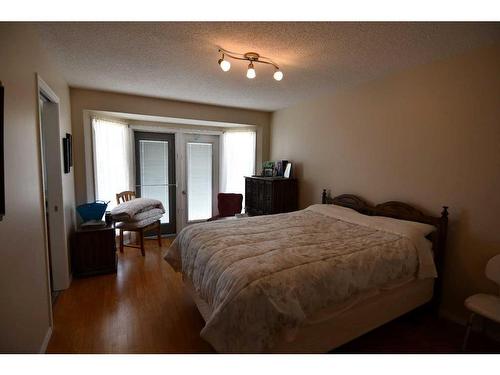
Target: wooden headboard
{"points": [[402, 211]]}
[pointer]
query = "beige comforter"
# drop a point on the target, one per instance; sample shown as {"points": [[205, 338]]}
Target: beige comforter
{"points": [[263, 276]]}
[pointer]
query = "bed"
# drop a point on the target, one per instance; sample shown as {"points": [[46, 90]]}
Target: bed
{"points": [[310, 280]]}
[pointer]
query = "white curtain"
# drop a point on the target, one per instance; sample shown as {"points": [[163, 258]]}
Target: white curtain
{"points": [[113, 163], [238, 160]]}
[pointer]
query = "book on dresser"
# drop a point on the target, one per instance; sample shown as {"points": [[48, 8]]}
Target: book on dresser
{"points": [[270, 195]]}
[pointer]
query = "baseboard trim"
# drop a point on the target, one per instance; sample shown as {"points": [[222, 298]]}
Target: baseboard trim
{"points": [[46, 340], [452, 317]]}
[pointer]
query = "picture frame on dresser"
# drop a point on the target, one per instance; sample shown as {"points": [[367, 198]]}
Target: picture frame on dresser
{"points": [[268, 172], [268, 169], [287, 173]]}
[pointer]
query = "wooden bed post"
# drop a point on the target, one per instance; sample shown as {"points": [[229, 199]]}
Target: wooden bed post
{"points": [[439, 249], [444, 221], [323, 197]]}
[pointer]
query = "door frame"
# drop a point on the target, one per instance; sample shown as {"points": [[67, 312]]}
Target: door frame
{"points": [[56, 226], [58, 259], [202, 138], [180, 157], [171, 227]]}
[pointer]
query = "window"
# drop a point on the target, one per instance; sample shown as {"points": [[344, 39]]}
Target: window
{"points": [[112, 159], [238, 160]]}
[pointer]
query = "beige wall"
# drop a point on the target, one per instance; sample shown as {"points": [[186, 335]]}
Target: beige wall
{"points": [[24, 295], [429, 136], [113, 102]]}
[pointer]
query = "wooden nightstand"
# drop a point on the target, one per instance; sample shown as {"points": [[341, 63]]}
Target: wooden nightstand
{"points": [[93, 251]]}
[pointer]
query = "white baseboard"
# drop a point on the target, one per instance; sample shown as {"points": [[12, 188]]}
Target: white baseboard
{"points": [[46, 340]]}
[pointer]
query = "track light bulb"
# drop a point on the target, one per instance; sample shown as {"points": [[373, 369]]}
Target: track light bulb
{"points": [[251, 71], [224, 64], [278, 75]]}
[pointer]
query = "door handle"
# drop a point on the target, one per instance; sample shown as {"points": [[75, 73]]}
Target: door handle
{"points": [[184, 192], [150, 185]]}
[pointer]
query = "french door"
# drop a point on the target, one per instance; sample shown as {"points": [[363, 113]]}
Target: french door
{"points": [[201, 182], [155, 173]]}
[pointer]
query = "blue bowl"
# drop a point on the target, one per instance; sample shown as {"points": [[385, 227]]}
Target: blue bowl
{"points": [[92, 211]]}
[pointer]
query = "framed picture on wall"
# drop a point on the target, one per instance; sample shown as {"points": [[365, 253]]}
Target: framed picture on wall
{"points": [[67, 152], [70, 149]]}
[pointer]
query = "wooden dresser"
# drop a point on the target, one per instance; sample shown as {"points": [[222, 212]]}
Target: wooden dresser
{"points": [[270, 195], [93, 251]]}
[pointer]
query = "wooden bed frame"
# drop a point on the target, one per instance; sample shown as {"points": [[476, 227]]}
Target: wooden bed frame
{"points": [[403, 211], [323, 335]]}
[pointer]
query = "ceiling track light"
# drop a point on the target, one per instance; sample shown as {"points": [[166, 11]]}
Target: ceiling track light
{"points": [[251, 57], [224, 64], [251, 71]]}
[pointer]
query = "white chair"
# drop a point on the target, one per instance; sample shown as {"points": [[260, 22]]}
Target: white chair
{"points": [[486, 305]]}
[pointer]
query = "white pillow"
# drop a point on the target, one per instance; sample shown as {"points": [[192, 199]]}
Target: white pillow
{"points": [[333, 210], [404, 227]]}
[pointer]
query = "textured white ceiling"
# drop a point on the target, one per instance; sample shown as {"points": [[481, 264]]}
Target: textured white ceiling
{"points": [[178, 60]]}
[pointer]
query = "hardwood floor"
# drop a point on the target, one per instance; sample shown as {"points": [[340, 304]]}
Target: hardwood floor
{"points": [[145, 309]]}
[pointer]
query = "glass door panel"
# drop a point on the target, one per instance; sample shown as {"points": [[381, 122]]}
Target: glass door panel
{"points": [[155, 173], [199, 181], [200, 177]]}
